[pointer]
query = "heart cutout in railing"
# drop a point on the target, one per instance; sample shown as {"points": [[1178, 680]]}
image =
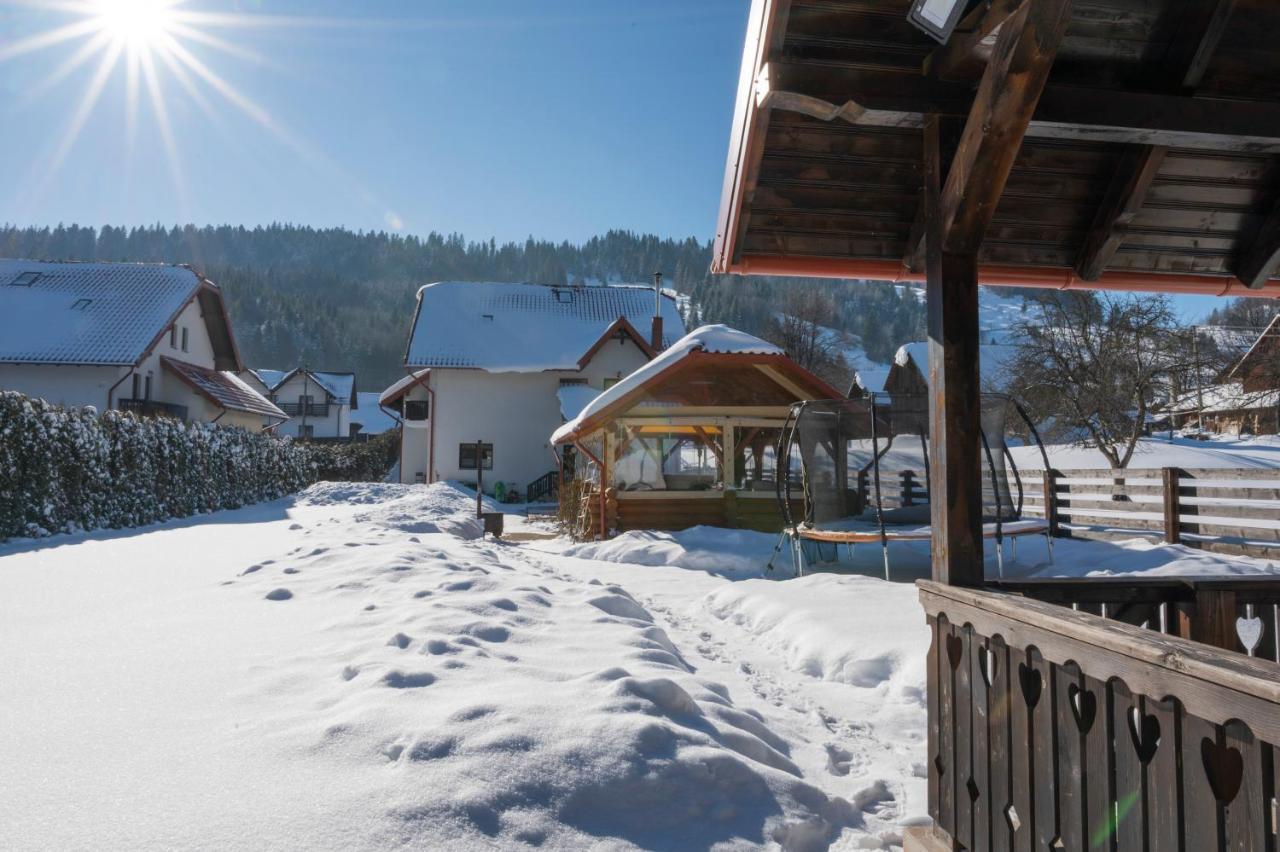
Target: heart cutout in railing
{"points": [[987, 665], [1084, 706], [1144, 729], [1224, 766], [1030, 681], [1250, 632], [955, 651]]}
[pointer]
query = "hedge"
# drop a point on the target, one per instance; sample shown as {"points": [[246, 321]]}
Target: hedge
{"points": [[67, 469]]}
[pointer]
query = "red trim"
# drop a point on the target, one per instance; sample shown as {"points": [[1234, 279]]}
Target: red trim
{"points": [[620, 324]]}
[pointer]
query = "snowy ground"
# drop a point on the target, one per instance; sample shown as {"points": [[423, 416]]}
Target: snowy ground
{"points": [[1260, 452], [355, 668]]}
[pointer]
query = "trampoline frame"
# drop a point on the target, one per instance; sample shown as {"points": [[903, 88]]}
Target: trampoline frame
{"points": [[798, 532]]}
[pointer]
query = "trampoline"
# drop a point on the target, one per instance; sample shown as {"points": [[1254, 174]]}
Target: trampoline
{"points": [[862, 469]]}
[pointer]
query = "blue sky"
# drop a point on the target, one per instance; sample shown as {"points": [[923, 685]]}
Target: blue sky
{"points": [[559, 119]]}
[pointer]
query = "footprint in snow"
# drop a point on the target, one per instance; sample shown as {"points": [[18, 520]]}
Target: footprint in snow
{"points": [[292, 570], [279, 595], [408, 680], [400, 641], [295, 526]]}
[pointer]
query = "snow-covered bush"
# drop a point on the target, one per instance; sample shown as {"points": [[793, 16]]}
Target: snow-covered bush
{"points": [[63, 470]]}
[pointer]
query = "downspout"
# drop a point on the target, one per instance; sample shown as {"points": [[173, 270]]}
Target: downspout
{"points": [[431, 438], [214, 421], [604, 533], [112, 390]]}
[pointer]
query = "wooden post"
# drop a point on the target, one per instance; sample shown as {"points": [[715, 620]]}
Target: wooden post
{"points": [[1211, 620], [907, 486], [955, 470], [1051, 501], [1172, 527], [479, 479]]}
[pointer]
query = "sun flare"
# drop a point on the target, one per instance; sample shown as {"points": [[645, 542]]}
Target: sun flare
{"points": [[136, 24]]}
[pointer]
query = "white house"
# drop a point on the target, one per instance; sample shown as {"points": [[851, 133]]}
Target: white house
{"points": [[319, 404], [149, 338], [503, 365]]}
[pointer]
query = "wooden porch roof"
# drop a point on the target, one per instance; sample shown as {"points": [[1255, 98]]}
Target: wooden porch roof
{"points": [[1150, 159]]}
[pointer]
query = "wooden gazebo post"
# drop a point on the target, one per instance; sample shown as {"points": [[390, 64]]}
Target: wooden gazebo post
{"points": [[961, 193]]}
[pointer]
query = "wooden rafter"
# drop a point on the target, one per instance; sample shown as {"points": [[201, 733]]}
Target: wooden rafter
{"points": [[893, 99], [1134, 175], [1002, 109], [1262, 259]]}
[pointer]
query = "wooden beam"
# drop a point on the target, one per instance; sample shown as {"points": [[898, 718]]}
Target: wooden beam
{"points": [[1262, 259], [997, 121], [963, 56], [955, 471], [894, 99], [1201, 25], [1133, 177]]}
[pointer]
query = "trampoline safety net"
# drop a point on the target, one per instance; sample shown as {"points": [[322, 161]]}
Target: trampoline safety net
{"points": [[865, 462]]}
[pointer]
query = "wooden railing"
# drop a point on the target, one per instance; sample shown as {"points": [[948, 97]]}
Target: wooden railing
{"points": [[1236, 614], [1230, 510], [543, 488], [154, 408], [294, 409], [1052, 728]]}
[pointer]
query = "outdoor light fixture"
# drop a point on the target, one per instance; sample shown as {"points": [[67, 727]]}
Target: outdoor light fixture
{"points": [[938, 18]]}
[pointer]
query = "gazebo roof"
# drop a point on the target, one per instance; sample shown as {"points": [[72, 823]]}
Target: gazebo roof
{"points": [[1151, 159]]}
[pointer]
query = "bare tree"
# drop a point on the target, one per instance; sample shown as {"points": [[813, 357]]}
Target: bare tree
{"points": [[1094, 365], [799, 328]]}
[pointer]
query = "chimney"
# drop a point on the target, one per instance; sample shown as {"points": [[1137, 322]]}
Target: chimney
{"points": [[655, 334]]}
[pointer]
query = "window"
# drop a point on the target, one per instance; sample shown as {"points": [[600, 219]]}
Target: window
{"points": [[81, 304], [184, 338], [610, 382], [416, 409], [146, 389], [467, 456], [137, 385], [173, 337], [307, 431], [26, 279], [568, 383], [564, 297]]}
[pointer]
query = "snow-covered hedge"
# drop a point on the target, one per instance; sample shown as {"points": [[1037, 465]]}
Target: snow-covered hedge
{"points": [[63, 470]]}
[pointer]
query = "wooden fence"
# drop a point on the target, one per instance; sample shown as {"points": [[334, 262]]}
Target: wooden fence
{"points": [[1053, 728], [1228, 510]]}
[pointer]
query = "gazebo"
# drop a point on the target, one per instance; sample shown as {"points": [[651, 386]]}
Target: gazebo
{"points": [[690, 437], [1095, 144]]}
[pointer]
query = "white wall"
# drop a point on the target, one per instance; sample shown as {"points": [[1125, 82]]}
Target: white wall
{"points": [[64, 385], [336, 425], [516, 412]]}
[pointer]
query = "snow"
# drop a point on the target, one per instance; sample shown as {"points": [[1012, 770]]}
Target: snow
{"points": [[87, 313], [372, 418], [574, 398], [401, 386], [356, 667], [502, 327], [1258, 452], [708, 338], [1230, 396]]}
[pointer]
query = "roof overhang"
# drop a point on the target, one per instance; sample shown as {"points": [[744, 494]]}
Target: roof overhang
{"points": [[1116, 186]]}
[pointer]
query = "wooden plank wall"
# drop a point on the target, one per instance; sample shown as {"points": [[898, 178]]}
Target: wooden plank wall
{"points": [[674, 513]]}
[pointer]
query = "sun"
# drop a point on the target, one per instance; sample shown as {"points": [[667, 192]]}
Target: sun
{"points": [[136, 24]]}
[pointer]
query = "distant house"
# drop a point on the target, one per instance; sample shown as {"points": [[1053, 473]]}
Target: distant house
{"points": [[908, 375], [1245, 400], [502, 365], [150, 338], [320, 404], [372, 418]]}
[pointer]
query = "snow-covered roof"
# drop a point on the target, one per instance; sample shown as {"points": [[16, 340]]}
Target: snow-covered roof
{"points": [[223, 388], [401, 387], [709, 338], [871, 380], [87, 313], [574, 398], [1224, 397], [372, 419], [524, 327], [341, 386]]}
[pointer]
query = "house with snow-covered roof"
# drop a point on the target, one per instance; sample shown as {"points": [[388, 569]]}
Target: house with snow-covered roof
{"points": [[150, 338], [493, 368], [319, 404]]}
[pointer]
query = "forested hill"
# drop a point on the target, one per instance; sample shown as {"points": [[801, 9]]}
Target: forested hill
{"points": [[342, 300]]}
